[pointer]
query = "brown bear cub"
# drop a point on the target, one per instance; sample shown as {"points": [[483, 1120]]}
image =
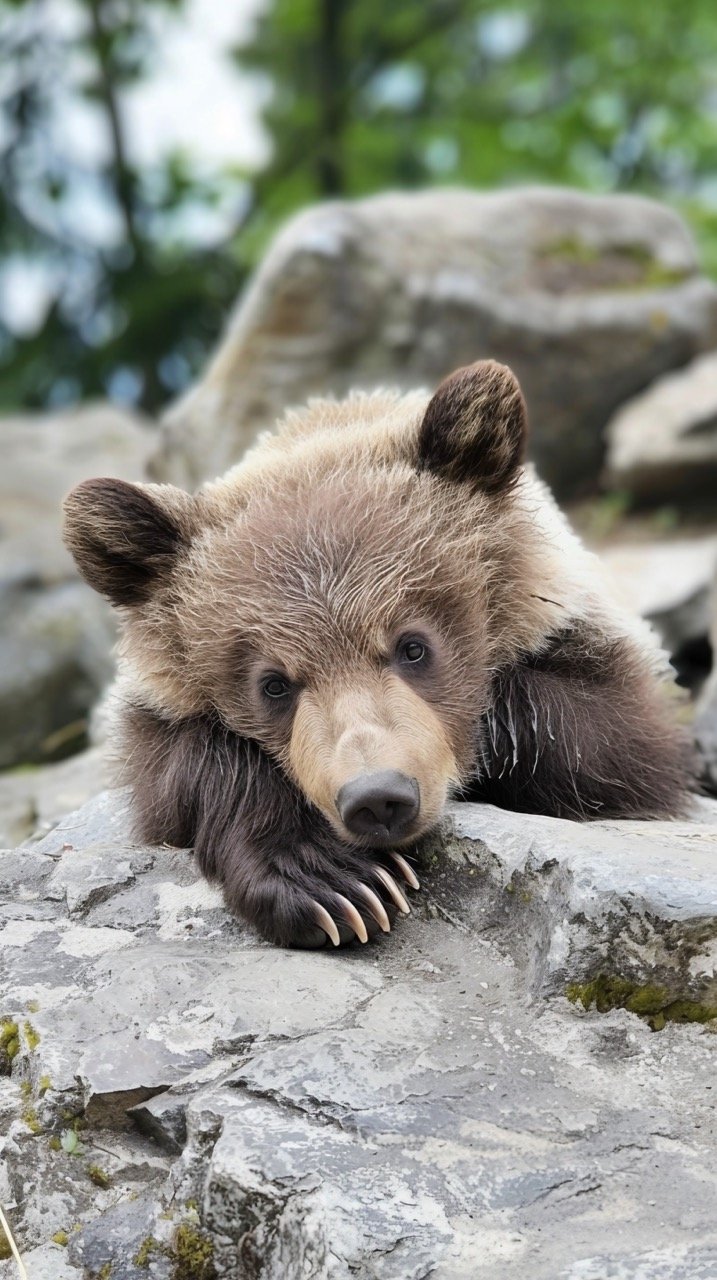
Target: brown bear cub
{"points": [[379, 607]]}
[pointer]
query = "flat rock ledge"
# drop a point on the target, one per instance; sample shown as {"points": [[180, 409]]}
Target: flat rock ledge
{"points": [[517, 1083]]}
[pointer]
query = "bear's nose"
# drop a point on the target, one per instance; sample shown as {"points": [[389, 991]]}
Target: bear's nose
{"points": [[380, 805]]}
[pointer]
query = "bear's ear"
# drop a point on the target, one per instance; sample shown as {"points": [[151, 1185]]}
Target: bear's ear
{"points": [[475, 427], [125, 538]]}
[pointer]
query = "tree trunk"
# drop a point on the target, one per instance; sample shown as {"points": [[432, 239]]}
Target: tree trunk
{"points": [[332, 95]]}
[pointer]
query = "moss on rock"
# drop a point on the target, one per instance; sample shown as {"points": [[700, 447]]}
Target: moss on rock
{"points": [[32, 1037], [9, 1044], [193, 1254], [655, 1004], [99, 1176], [147, 1249], [612, 267]]}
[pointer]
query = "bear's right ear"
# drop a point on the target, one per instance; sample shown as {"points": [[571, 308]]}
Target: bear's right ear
{"points": [[125, 538], [475, 428]]}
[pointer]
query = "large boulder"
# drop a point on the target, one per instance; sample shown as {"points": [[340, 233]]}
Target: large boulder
{"points": [[179, 1099], [589, 298], [56, 635], [663, 444], [670, 584], [706, 718]]}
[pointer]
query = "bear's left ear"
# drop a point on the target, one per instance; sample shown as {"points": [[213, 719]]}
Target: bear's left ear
{"points": [[126, 538], [475, 427]]}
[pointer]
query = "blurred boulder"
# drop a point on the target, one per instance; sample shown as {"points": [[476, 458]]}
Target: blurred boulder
{"points": [[706, 719], [669, 584], [56, 635], [588, 298], [35, 799], [662, 446]]}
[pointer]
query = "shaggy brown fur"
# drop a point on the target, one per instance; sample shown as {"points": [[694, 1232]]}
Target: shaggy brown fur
{"points": [[577, 732], [412, 594], [196, 783]]}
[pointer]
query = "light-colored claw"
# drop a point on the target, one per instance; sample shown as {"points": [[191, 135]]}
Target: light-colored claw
{"points": [[406, 870], [376, 907], [352, 917], [324, 921], [394, 890]]}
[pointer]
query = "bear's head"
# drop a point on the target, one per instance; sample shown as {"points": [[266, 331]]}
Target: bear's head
{"points": [[342, 597]]}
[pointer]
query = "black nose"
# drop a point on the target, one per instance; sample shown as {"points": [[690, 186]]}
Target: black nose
{"points": [[380, 804]]}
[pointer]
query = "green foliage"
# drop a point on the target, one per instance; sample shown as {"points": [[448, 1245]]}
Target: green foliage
{"points": [[361, 96]]}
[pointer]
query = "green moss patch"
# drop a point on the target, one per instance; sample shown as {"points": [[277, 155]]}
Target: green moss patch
{"points": [[193, 1254], [148, 1248], [655, 1004], [31, 1036], [9, 1044], [99, 1176], [574, 263]]}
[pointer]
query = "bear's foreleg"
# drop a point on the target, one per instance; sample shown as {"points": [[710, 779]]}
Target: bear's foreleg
{"points": [[197, 784], [583, 730]]}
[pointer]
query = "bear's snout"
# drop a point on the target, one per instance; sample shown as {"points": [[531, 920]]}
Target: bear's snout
{"points": [[381, 805]]}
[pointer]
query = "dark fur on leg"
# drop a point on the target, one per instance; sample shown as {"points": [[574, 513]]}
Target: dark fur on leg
{"points": [[582, 731], [197, 784]]}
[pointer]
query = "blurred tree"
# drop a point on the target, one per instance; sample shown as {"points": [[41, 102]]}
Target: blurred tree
{"points": [[594, 92], [131, 312], [364, 96]]}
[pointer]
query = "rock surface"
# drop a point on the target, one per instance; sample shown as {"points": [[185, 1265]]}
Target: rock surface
{"points": [[588, 298], [184, 1096], [663, 444], [55, 633], [33, 799]]}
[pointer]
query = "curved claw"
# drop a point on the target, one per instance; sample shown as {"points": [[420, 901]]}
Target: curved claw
{"points": [[324, 921], [376, 907], [352, 917], [394, 890], [407, 870]]}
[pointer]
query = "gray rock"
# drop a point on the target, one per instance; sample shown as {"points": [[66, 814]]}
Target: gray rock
{"points": [[706, 738], [55, 657], [706, 718], [427, 1105], [588, 298], [34, 799], [56, 635], [44, 455], [663, 444], [670, 584]]}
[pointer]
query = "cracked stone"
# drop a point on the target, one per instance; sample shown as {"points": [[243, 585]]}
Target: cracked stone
{"points": [[427, 1105]]}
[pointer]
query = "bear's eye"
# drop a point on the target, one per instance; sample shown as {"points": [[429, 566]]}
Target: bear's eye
{"points": [[275, 687], [412, 650]]}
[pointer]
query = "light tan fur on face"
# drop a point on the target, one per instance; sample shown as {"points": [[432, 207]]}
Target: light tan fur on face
{"points": [[357, 728]]}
